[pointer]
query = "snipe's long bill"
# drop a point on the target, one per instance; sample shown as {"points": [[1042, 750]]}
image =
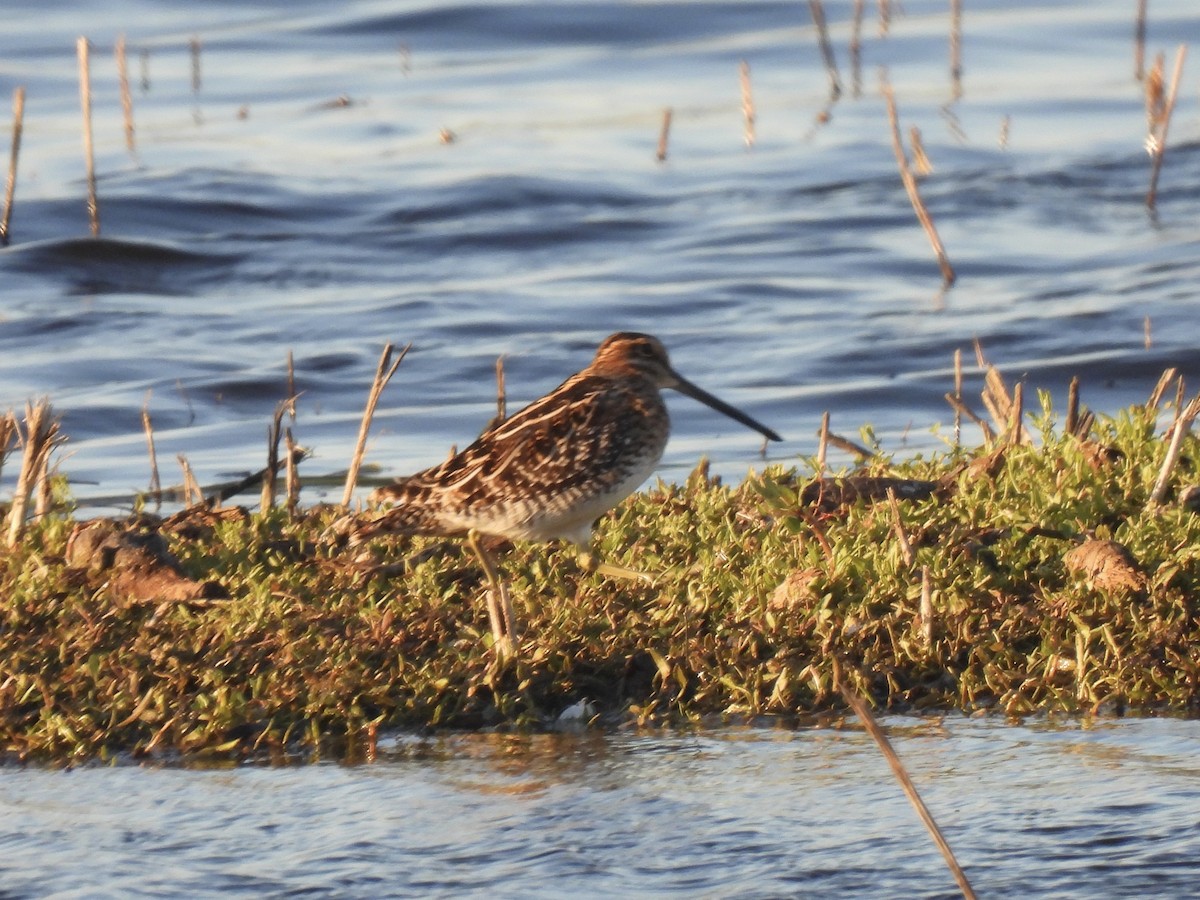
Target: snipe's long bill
{"points": [[549, 471]]}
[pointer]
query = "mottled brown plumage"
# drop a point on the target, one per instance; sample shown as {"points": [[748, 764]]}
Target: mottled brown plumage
{"points": [[552, 469]]}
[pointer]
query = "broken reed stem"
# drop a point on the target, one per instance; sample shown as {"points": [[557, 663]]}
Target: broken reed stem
{"points": [[155, 483], [1139, 41], [906, 550], [38, 440], [501, 394], [85, 102], [748, 112], [885, 17], [191, 488], [1072, 422], [291, 386], [910, 185], [818, 17], [823, 443], [960, 406], [1164, 381], [958, 382], [906, 783], [383, 374], [8, 431], [956, 49], [274, 436], [836, 440], [293, 473], [1015, 429], [1159, 134], [920, 159], [10, 185], [856, 49], [926, 606], [664, 135], [1180, 428], [126, 96]]}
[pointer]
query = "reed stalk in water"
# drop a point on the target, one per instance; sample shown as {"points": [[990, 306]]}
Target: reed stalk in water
{"points": [[748, 112], [1160, 122], [148, 427], [818, 16], [10, 185], [664, 135], [38, 439], [126, 95], [1139, 42], [383, 374], [85, 101]]}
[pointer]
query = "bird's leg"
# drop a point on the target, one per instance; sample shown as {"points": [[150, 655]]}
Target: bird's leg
{"points": [[592, 563], [499, 602]]}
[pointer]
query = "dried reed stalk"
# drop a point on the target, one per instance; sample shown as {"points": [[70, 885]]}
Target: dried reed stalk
{"points": [[148, 427], [383, 374], [748, 113], [270, 473], [926, 606], [291, 386], [1183, 424], [836, 440], [8, 433], [960, 406], [956, 49], [1147, 336], [294, 455], [38, 439], [194, 50], [885, 17], [823, 443], [910, 185], [664, 135], [920, 159], [501, 394], [856, 49], [906, 783], [906, 550], [958, 382], [1164, 381], [1002, 140], [1016, 431], [1072, 422], [126, 96], [85, 101], [818, 16], [10, 185], [144, 70], [1139, 41], [191, 487], [1156, 141]]}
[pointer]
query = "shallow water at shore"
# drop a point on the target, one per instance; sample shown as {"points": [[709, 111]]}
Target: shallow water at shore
{"points": [[1031, 810]]}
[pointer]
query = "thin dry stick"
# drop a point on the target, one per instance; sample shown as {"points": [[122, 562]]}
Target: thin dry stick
{"points": [[155, 484], [856, 49], [1164, 381], [956, 49], [906, 783], [10, 186], [383, 374], [294, 454], [1183, 424], [823, 443], [748, 113], [191, 487], [85, 101], [274, 436], [959, 405], [1002, 140], [1139, 41], [926, 606], [910, 185], [1016, 431], [291, 386], [836, 440], [1147, 337], [920, 159], [1072, 422], [885, 17], [144, 69], [906, 550], [126, 96], [8, 431], [958, 382], [818, 17], [664, 135], [1160, 135], [194, 49], [501, 394]]}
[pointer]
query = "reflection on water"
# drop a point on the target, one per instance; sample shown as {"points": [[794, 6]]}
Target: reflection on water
{"points": [[1112, 809]]}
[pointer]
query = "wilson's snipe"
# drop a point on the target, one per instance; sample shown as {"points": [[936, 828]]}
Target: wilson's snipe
{"points": [[549, 471]]}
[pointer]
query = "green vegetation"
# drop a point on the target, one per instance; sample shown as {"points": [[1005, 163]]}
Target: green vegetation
{"points": [[759, 589]]}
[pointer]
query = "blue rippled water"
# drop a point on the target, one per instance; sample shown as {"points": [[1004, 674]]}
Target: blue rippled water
{"points": [[299, 199]]}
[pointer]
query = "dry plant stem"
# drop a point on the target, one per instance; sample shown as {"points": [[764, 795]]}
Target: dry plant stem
{"points": [[885, 17], [1139, 41], [1160, 148], [664, 135], [293, 473], [38, 440], [748, 113], [191, 489], [958, 405], [501, 393], [8, 430], [818, 17], [920, 159], [155, 483], [856, 49], [836, 440], [926, 606], [10, 185], [291, 386], [194, 49], [823, 443], [126, 96], [1164, 381], [956, 48], [906, 550], [1183, 424], [1072, 422], [383, 374], [906, 783], [910, 185], [144, 70], [85, 102], [958, 382], [1015, 430]]}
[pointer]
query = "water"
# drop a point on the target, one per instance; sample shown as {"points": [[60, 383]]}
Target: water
{"points": [[300, 199], [1034, 810]]}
